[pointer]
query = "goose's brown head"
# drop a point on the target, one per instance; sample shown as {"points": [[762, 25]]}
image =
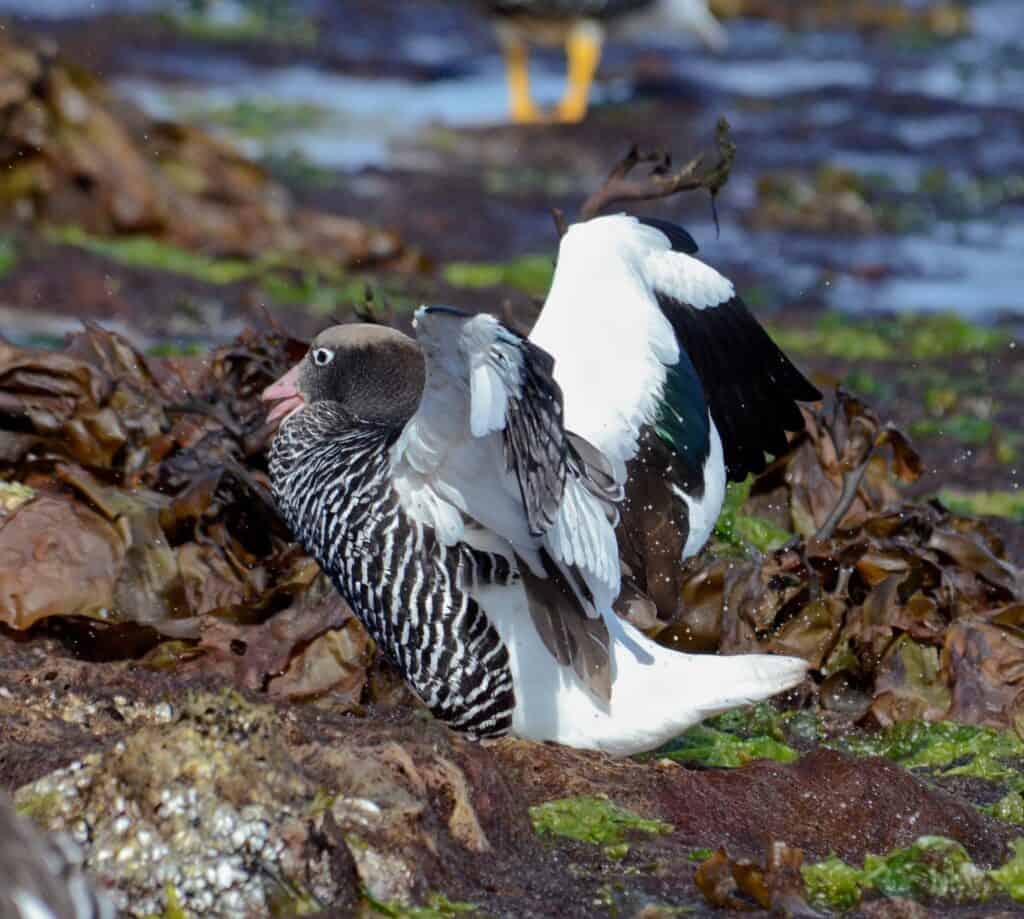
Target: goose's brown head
{"points": [[375, 373]]}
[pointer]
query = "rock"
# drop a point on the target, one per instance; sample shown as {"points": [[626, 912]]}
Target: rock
{"points": [[193, 804]]}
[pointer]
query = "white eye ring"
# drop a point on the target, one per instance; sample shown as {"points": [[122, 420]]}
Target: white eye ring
{"points": [[322, 356]]}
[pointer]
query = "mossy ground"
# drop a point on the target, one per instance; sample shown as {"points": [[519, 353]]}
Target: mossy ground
{"points": [[1009, 504], [261, 118], [530, 274], [955, 386], [146, 252], [8, 254], [888, 339], [192, 292], [437, 906], [273, 21]]}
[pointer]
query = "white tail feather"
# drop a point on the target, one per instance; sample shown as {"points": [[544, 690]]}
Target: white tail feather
{"points": [[656, 693]]}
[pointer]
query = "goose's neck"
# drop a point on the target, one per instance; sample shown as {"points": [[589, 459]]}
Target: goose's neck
{"points": [[325, 466], [332, 479]]}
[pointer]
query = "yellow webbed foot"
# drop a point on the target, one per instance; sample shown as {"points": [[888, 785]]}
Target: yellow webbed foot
{"points": [[524, 111], [583, 51], [517, 65]]}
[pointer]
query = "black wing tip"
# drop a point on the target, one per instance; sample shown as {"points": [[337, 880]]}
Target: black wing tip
{"points": [[752, 387], [680, 239], [811, 393]]}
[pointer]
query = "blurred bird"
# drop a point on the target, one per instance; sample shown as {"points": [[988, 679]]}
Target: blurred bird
{"points": [[41, 877], [579, 26]]}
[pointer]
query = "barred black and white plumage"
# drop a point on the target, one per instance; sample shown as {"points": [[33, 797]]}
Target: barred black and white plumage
{"points": [[332, 482], [41, 877], [435, 483]]}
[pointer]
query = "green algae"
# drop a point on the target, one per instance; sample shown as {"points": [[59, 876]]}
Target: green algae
{"points": [[984, 503], [172, 905], [918, 337], [745, 531], [761, 533], [294, 168], [13, 495], [1010, 877], [519, 180], [835, 336], [275, 21], [147, 252], [865, 383], [1009, 808], [326, 294], [967, 750], [177, 349], [529, 273], [803, 727], [595, 820], [759, 719], [39, 808], [739, 736], [438, 906], [287, 279], [617, 852], [8, 255], [707, 746], [263, 118], [968, 429], [943, 334], [933, 868], [833, 884]]}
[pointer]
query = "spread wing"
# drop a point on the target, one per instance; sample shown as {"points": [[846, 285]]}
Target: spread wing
{"points": [[676, 348], [750, 386], [487, 450]]}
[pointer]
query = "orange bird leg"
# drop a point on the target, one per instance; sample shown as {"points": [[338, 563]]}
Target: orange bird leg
{"points": [[583, 51], [517, 68]]}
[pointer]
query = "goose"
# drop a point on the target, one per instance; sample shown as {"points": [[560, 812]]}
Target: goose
{"points": [[441, 485], [579, 26], [663, 368]]}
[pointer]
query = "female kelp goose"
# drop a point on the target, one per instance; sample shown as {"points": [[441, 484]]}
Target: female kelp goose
{"points": [[474, 536]]}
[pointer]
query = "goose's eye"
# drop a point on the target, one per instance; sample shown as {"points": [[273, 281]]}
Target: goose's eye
{"points": [[322, 356]]}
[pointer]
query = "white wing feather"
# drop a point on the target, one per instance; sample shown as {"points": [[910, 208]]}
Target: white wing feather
{"points": [[611, 368], [449, 463]]}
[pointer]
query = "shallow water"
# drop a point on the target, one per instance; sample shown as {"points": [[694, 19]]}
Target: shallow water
{"points": [[364, 117], [62, 9]]}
